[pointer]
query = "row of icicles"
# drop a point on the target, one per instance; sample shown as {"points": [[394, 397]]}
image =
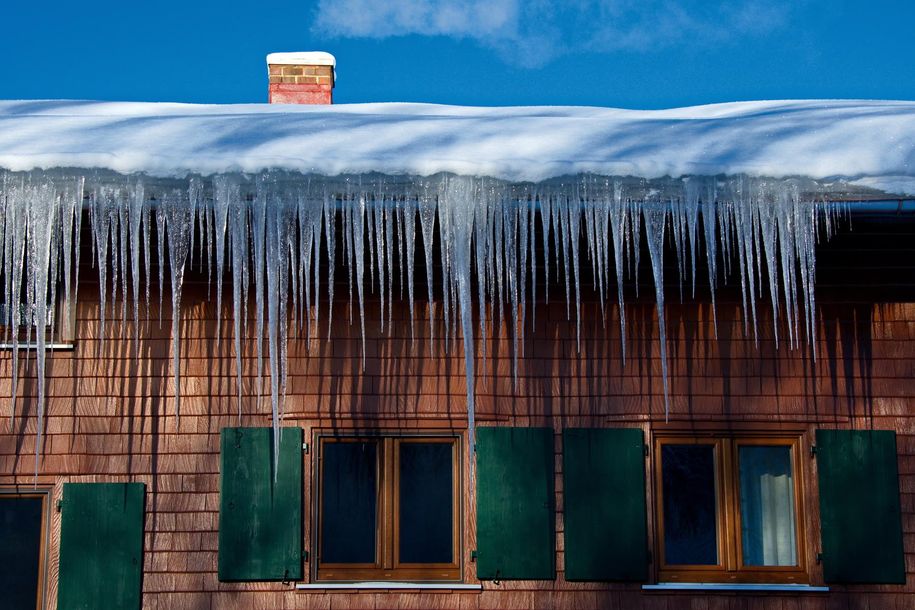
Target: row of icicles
{"points": [[273, 230]]}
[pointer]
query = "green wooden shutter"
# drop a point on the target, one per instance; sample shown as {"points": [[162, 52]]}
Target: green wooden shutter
{"points": [[515, 515], [603, 477], [101, 546], [260, 516], [859, 506]]}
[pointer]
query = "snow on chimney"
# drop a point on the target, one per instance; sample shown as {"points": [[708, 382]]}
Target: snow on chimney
{"points": [[301, 78]]}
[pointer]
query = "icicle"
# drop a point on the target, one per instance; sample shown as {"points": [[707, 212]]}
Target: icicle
{"points": [[409, 226], [101, 222], [615, 209], [160, 241], [574, 235], [71, 210], [306, 210], [457, 207], [13, 264], [561, 222], [135, 216], [147, 224], [523, 247], [180, 227], [330, 232], [358, 241], [532, 230], [123, 231], [238, 238], [761, 228], [226, 196], [710, 236], [426, 205], [389, 255], [655, 220], [635, 217], [278, 217], [376, 239], [768, 228], [786, 238], [262, 200], [545, 216], [690, 209], [316, 217], [482, 241]]}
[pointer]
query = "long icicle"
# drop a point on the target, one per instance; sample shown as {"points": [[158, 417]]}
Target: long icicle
{"points": [[762, 229]]}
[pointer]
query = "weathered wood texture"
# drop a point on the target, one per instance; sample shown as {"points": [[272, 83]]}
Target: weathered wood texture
{"points": [[111, 417]]}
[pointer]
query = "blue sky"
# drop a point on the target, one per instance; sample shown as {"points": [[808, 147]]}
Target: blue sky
{"points": [[624, 53]]}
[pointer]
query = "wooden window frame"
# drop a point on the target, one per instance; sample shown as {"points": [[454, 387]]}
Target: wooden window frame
{"points": [[44, 494], [387, 566], [731, 568], [63, 325]]}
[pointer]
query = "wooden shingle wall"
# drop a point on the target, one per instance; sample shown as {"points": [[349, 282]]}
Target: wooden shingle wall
{"points": [[111, 417]]}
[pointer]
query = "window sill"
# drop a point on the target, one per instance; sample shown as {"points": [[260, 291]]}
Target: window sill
{"points": [[713, 586], [34, 346], [382, 585]]}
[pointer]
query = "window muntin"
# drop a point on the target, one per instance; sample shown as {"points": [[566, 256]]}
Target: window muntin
{"points": [[23, 530], [728, 508], [388, 508]]}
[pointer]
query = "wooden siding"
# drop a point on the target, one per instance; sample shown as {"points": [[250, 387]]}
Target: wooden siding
{"points": [[111, 417]]}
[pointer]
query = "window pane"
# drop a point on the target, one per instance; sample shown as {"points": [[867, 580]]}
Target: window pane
{"points": [[349, 502], [767, 506], [690, 524], [426, 503], [20, 550]]}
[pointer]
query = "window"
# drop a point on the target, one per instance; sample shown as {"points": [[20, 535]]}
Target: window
{"points": [[728, 508], [388, 508], [23, 530], [58, 324]]}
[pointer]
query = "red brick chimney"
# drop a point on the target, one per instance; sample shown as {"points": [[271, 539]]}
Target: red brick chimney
{"points": [[301, 78]]}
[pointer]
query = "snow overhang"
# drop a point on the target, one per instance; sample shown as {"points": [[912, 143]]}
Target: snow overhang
{"points": [[870, 144]]}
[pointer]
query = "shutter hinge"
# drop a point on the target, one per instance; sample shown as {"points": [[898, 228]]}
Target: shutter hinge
{"points": [[819, 558], [305, 448], [59, 505], [813, 451], [645, 450], [473, 555], [304, 555]]}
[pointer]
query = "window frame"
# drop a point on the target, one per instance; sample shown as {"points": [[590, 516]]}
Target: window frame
{"points": [[62, 319], [387, 566], [731, 567], [44, 494]]}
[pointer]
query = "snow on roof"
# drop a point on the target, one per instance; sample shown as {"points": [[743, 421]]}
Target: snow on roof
{"points": [[869, 142], [302, 58]]}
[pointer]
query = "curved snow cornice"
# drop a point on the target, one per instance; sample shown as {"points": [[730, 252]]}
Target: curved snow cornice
{"points": [[868, 142]]}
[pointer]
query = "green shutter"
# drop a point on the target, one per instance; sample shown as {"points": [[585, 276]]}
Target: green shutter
{"points": [[260, 516], [101, 546], [603, 478], [515, 515], [859, 506]]}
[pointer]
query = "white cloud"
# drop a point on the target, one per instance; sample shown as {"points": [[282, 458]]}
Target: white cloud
{"points": [[531, 33]]}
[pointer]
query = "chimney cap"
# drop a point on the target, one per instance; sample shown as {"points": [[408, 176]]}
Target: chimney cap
{"points": [[302, 58]]}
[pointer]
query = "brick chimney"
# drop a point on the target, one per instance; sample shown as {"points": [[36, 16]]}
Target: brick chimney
{"points": [[301, 78]]}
